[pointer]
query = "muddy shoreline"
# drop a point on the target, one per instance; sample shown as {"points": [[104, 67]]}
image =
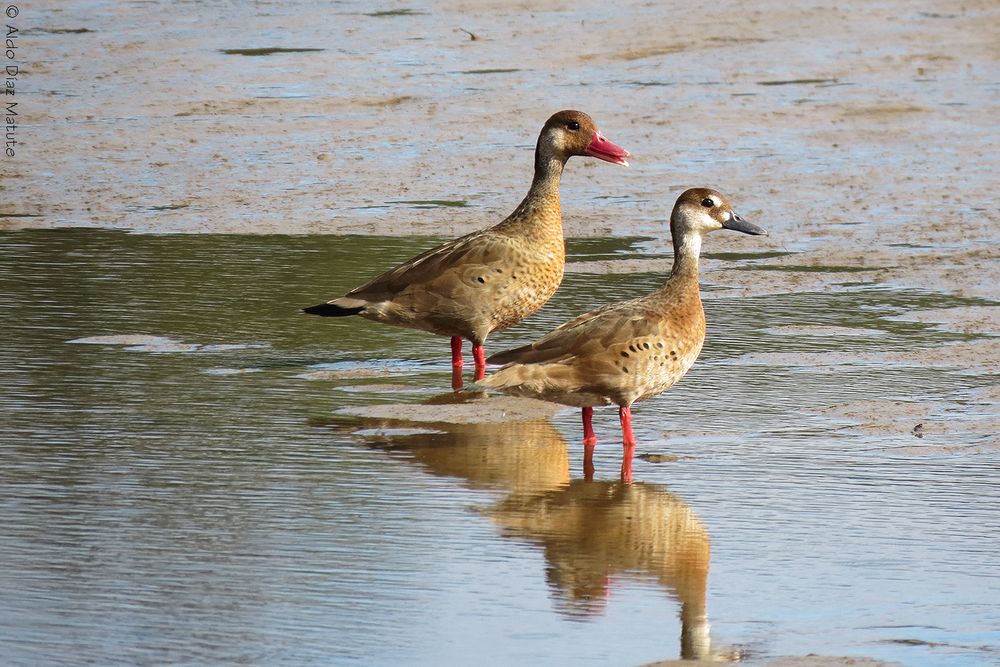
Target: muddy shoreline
{"points": [[865, 140], [823, 124]]}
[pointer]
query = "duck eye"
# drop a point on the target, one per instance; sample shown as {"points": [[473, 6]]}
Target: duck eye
{"points": [[573, 125], [707, 202]]}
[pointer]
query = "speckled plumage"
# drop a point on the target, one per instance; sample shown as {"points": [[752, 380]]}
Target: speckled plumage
{"points": [[476, 284], [618, 354], [629, 351], [492, 278]]}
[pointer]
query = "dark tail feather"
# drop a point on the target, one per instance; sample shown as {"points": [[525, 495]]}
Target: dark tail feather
{"points": [[330, 310]]}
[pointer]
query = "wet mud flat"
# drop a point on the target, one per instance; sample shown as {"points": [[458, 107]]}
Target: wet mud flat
{"points": [[334, 119], [863, 139]]}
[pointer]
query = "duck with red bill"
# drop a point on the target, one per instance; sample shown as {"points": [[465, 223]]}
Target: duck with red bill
{"points": [[603, 149], [493, 278]]}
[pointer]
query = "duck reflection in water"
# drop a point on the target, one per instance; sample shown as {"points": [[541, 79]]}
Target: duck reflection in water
{"points": [[594, 532], [591, 532], [526, 457]]}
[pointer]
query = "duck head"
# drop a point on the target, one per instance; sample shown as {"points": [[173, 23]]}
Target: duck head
{"points": [[569, 133], [697, 212], [702, 210]]}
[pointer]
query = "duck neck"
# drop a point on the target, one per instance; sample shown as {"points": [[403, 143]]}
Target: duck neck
{"points": [[687, 247], [545, 184], [539, 214]]}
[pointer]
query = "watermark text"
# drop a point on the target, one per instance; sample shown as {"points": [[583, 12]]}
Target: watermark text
{"points": [[11, 72]]}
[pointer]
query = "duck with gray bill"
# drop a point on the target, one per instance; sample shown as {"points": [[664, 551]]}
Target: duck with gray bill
{"points": [[629, 351]]}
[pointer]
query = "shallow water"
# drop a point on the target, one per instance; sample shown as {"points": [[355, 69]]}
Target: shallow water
{"points": [[181, 483]]}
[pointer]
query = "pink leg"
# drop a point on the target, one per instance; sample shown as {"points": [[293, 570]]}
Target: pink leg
{"points": [[479, 355], [456, 362], [588, 429], [589, 442], [628, 443]]}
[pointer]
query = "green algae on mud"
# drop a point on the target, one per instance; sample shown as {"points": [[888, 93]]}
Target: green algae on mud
{"points": [[748, 255], [809, 268], [267, 51], [497, 70], [610, 248], [431, 203], [395, 12], [795, 82], [60, 31], [646, 84]]}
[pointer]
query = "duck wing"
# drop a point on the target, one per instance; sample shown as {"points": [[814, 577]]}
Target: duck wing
{"points": [[431, 266], [589, 333]]}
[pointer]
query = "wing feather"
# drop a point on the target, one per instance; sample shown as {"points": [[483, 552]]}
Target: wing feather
{"points": [[429, 267], [582, 335]]}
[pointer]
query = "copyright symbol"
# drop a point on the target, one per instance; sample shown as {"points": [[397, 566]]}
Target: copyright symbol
{"points": [[12, 11]]}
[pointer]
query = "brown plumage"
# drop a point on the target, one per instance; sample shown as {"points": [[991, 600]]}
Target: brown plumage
{"points": [[492, 278], [629, 351], [594, 533]]}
